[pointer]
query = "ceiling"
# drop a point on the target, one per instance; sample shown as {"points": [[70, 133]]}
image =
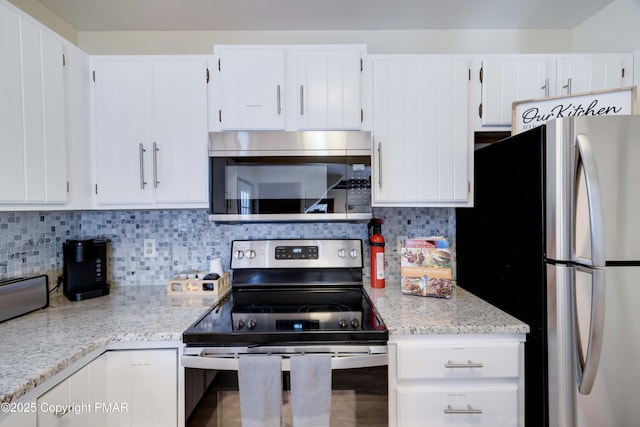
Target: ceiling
{"points": [[321, 15]]}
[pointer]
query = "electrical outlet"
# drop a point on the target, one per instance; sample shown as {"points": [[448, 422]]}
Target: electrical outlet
{"points": [[400, 242], [150, 248]]}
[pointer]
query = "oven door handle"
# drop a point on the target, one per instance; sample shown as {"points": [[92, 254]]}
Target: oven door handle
{"points": [[230, 362]]}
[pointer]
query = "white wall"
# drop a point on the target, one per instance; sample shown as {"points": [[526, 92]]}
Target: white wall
{"points": [[616, 28], [414, 41]]}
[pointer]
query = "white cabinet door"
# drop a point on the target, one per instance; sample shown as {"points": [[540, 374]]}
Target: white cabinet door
{"points": [[587, 73], [123, 131], [55, 166], [180, 130], [33, 127], [146, 382], [78, 119], [151, 131], [252, 88], [69, 403], [12, 181], [421, 143], [514, 78], [328, 89]]}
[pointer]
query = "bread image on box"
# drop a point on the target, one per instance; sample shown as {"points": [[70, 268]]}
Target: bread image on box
{"points": [[425, 267]]}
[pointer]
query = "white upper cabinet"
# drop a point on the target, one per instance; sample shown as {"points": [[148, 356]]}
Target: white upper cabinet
{"points": [[329, 88], [511, 78], [505, 80], [150, 124], [33, 152], [12, 180], [421, 144], [587, 73], [287, 87], [251, 87]]}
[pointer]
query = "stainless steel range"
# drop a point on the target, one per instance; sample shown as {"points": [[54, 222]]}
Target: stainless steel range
{"points": [[291, 297]]}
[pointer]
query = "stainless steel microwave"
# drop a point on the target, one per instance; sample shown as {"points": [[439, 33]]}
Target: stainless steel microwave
{"points": [[290, 176]]}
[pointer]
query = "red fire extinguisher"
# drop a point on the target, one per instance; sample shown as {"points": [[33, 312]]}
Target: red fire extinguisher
{"points": [[376, 249]]}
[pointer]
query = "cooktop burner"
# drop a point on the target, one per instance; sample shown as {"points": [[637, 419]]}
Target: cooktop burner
{"points": [[288, 291]]}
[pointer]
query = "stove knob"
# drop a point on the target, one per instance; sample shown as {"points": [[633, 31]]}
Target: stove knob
{"points": [[239, 254], [251, 324], [341, 253], [342, 323], [355, 323], [251, 254], [353, 253], [239, 324]]}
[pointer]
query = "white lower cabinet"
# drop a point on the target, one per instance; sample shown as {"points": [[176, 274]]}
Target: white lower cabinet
{"points": [[142, 388], [119, 388], [488, 406], [470, 380]]}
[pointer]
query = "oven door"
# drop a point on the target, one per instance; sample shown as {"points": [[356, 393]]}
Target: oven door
{"points": [[359, 394]]}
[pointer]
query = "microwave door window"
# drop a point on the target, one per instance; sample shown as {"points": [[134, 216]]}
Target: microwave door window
{"points": [[245, 195]]}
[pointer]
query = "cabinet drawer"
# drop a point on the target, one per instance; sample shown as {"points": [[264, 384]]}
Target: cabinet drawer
{"points": [[481, 406], [465, 361]]}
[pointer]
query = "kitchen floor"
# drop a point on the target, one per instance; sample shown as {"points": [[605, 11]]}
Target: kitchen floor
{"points": [[366, 407]]}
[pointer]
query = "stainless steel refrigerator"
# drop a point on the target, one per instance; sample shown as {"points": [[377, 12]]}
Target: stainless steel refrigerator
{"points": [[554, 239]]}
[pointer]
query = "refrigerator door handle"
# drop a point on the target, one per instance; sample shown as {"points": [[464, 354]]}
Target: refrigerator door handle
{"points": [[587, 366], [594, 195]]}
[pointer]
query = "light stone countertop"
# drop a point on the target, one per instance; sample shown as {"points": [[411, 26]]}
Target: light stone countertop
{"points": [[40, 344]]}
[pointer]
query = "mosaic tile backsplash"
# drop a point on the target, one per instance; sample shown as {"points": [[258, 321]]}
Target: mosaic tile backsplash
{"points": [[31, 242]]}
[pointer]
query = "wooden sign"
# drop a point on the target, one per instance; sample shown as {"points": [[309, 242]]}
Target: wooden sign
{"points": [[531, 113]]}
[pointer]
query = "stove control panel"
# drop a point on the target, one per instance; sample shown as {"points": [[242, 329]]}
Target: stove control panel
{"points": [[296, 253]]}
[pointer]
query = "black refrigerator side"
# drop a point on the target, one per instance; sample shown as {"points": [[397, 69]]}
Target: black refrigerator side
{"points": [[500, 245]]}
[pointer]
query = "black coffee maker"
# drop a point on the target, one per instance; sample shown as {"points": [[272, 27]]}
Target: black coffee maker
{"points": [[85, 269]]}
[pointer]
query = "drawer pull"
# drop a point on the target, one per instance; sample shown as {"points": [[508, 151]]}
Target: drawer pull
{"points": [[469, 410], [469, 364]]}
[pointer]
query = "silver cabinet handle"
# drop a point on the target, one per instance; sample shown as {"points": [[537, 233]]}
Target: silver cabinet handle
{"points": [[155, 165], [278, 100], [568, 86], [62, 412], [546, 88], [301, 100], [379, 164], [469, 410], [141, 152], [469, 364]]}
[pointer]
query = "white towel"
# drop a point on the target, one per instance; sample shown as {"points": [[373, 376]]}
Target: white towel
{"points": [[260, 386], [311, 390]]}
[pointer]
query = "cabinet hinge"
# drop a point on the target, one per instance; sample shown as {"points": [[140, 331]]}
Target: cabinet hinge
{"points": [[64, 60], [480, 110], [220, 116], [207, 75], [468, 187], [218, 64], [94, 75], [481, 74], [361, 115]]}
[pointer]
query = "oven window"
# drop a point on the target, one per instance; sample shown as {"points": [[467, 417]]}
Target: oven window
{"points": [[290, 185], [359, 398]]}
